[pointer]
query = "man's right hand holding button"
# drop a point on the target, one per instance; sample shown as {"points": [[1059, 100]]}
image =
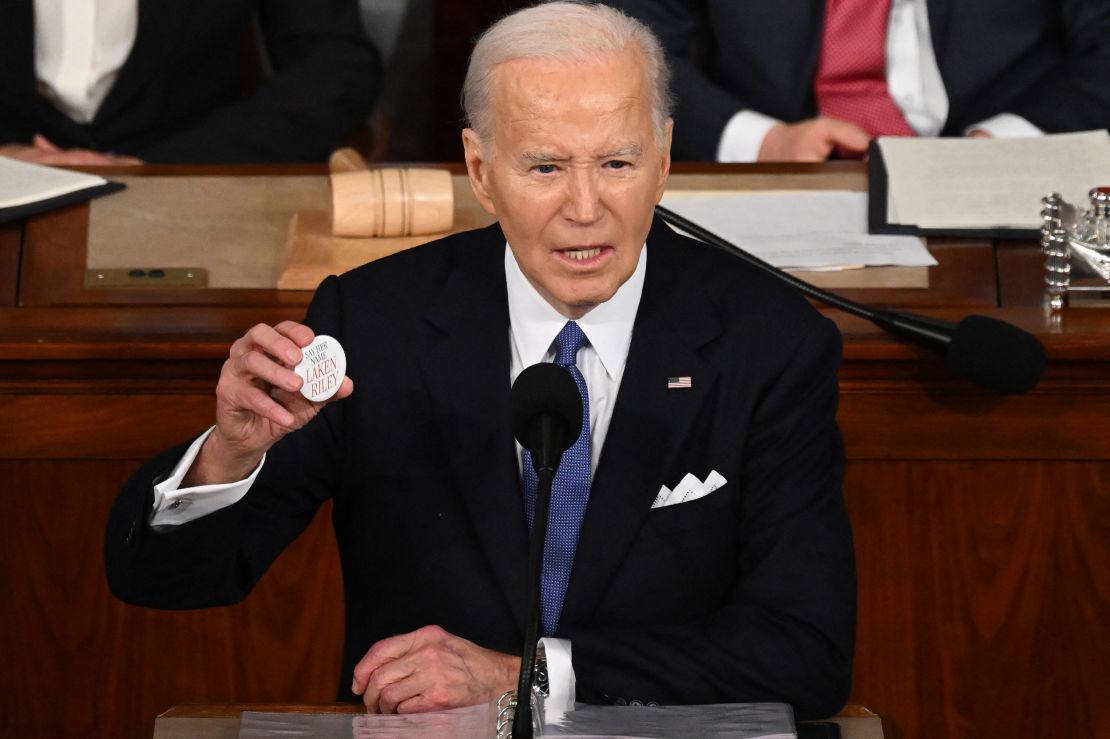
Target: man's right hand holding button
{"points": [[258, 401]]}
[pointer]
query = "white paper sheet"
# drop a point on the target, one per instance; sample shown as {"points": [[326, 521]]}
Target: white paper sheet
{"points": [[22, 182], [983, 183], [802, 230]]}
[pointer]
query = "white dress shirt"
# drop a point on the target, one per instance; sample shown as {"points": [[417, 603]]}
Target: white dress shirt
{"points": [[80, 46], [533, 326], [912, 77]]}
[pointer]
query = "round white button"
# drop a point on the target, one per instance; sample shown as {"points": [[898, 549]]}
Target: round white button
{"points": [[322, 368]]}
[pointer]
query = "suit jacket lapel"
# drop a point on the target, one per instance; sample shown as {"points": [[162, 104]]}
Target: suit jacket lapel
{"points": [[467, 371], [159, 22], [939, 14], [648, 423], [17, 36]]}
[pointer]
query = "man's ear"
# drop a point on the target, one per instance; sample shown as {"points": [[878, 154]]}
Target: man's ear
{"points": [[664, 160], [477, 169]]}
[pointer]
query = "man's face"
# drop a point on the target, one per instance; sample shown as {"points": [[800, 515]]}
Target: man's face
{"points": [[572, 171]]}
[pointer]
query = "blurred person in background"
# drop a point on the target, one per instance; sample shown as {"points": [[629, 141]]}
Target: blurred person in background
{"points": [[119, 81]]}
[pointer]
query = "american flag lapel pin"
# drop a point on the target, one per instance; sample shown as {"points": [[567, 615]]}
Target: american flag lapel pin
{"points": [[673, 383]]}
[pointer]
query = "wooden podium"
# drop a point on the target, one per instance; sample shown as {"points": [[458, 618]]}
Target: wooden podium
{"points": [[981, 522]]}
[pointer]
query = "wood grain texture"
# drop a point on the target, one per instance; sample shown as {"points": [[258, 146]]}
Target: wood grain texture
{"points": [[984, 596], [77, 662], [11, 240]]}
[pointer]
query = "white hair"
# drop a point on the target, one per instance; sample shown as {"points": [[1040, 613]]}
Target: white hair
{"points": [[564, 31]]}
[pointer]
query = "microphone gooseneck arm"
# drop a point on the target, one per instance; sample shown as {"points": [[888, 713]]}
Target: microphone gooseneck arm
{"points": [[992, 353], [522, 718], [704, 234]]}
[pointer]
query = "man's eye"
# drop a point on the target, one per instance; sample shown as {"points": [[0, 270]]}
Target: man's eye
{"points": [[617, 164], [544, 168]]}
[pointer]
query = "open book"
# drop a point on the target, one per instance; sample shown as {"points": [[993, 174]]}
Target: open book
{"points": [[27, 189]]}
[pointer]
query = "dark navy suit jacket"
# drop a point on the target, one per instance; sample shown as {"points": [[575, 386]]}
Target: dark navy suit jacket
{"points": [[747, 594], [1045, 60], [178, 96]]}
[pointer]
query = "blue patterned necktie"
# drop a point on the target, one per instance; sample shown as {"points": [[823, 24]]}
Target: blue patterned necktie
{"points": [[569, 491]]}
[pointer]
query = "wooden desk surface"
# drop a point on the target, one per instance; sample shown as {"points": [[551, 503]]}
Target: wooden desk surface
{"points": [[981, 523], [222, 721]]}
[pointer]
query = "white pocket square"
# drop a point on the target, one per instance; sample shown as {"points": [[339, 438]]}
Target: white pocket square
{"points": [[690, 488]]}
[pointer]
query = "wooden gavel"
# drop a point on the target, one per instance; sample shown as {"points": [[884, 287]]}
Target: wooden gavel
{"points": [[388, 201]]}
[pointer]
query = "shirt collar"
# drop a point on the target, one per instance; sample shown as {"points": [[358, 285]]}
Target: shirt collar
{"points": [[534, 323]]}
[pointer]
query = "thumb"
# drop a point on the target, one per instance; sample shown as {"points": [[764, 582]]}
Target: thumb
{"points": [[41, 142], [848, 135]]}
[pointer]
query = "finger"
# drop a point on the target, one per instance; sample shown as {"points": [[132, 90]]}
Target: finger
{"points": [[82, 157], [813, 151], [394, 647], [256, 365], [21, 152], [848, 135], [378, 654], [254, 399], [270, 340], [418, 703], [346, 388], [124, 159], [299, 333], [41, 142], [393, 682], [407, 691], [303, 409]]}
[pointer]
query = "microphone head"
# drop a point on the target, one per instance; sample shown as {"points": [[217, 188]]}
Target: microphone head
{"points": [[996, 355], [545, 389]]}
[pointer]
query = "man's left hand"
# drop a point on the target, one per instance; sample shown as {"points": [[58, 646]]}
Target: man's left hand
{"points": [[431, 670], [43, 151]]}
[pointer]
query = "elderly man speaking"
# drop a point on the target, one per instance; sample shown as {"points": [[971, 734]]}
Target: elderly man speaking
{"points": [[699, 550]]}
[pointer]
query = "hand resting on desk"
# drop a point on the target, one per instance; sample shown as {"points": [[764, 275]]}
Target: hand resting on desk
{"points": [[431, 670], [42, 151]]}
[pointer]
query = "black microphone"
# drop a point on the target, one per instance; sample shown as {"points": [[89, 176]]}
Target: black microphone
{"points": [[545, 412], [991, 353]]}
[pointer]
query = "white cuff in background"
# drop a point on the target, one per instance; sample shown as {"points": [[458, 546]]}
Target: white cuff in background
{"points": [[560, 678], [743, 135], [173, 507], [1007, 126]]}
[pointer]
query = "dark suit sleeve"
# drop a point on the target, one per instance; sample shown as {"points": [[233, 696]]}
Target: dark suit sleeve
{"points": [[326, 76], [702, 108], [1065, 87], [217, 559], [787, 631]]}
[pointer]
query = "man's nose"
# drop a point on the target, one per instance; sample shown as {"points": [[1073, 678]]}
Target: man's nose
{"points": [[583, 197]]}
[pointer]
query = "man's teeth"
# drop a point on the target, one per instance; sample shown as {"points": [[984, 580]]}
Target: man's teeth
{"points": [[583, 254]]}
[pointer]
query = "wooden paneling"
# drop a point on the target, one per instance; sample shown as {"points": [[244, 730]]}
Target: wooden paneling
{"points": [[77, 662], [11, 236], [938, 417], [984, 591]]}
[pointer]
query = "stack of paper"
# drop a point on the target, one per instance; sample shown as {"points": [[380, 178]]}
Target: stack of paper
{"points": [[810, 230], [955, 184]]}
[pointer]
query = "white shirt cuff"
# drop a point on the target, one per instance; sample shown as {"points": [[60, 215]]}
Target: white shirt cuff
{"points": [[560, 678], [1007, 126], [173, 507], [743, 136]]}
